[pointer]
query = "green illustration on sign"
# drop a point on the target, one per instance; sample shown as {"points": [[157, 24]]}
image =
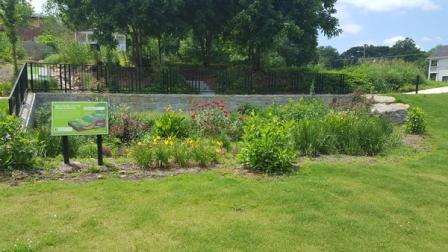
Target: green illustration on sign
{"points": [[79, 118]]}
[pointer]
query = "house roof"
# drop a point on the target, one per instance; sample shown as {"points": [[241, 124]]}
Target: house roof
{"points": [[440, 52]]}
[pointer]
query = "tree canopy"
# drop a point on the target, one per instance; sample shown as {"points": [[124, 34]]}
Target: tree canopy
{"points": [[253, 28]]}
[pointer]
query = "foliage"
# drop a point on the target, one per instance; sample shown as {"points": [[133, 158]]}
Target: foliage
{"points": [[13, 15], [87, 151], [17, 147], [311, 137], [126, 126], [172, 124], [165, 152], [329, 57], [382, 76], [416, 122], [212, 119], [247, 109], [50, 40], [267, 145], [75, 53], [303, 108], [5, 88]]}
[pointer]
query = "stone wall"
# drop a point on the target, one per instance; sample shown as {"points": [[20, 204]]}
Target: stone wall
{"points": [[159, 102]]}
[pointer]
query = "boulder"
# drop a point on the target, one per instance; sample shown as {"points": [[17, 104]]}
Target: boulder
{"points": [[380, 99], [396, 112]]}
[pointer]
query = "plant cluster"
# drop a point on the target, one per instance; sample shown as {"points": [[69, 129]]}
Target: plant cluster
{"points": [[17, 147], [213, 119], [5, 88], [416, 122], [168, 152], [273, 137], [172, 124]]}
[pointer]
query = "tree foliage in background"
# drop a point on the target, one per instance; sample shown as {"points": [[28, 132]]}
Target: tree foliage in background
{"points": [[13, 15], [253, 28]]}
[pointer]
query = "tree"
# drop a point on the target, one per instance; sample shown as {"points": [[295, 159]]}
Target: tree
{"points": [[208, 20], [407, 50], [262, 24], [329, 57], [13, 15]]}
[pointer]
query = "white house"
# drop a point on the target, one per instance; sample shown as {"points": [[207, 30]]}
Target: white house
{"points": [[86, 37], [438, 64]]}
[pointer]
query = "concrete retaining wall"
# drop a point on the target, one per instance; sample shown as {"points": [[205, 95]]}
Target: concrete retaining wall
{"points": [[159, 102]]}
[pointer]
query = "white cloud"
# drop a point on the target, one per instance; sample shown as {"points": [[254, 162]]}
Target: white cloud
{"points": [[390, 5], [351, 28], [348, 25], [393, 40]]}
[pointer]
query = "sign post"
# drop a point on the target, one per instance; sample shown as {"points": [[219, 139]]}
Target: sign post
{"points": [[80, 119]]}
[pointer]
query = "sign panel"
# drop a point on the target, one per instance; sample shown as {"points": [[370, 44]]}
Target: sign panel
{"points": [[79, 118]]}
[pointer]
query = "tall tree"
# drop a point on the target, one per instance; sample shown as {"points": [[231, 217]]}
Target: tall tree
{"points": [[407, 50], [259, 25], [14, 14], [208, 20], [329, 57]]}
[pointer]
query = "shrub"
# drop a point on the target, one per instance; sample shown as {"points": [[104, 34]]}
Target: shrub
{"points": [[75, 53], [382, 76], [267, 145], [171, 124], [5, 88], [17, 147], [213, 120], [416, 123], [299, 109], [125, 126]]}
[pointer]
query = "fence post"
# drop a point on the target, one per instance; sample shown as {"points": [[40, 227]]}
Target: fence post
{"points": [[31, 73], [417, 83]]}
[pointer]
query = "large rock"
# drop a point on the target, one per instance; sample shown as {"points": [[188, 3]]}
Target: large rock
{"points": [[380, 99], [396, 112]]}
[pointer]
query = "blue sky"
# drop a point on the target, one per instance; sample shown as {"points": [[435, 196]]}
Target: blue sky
{"points": [[383, 22]]}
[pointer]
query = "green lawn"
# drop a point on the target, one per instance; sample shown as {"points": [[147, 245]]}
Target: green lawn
{"points": [[3, 105], [394, 203]]}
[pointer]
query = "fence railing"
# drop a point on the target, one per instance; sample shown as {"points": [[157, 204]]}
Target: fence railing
{"points": [[171, 80], [18, 92]]}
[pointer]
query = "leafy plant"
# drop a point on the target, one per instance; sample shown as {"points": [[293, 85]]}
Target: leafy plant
{"points": [[171, 124], [5, 88], [17, 148], [267, 145], [416, 122], [125, 126]]}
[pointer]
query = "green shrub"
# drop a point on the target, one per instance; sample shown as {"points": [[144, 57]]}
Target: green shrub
{"points": [[53, 59], [75, 53], [267, 145], [17, 148], [416, 123], [382, 76], [5, 88], [299, 109], [171, 124]]}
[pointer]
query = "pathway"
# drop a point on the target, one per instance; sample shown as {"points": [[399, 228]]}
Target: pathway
{"points": [[441, 90]]}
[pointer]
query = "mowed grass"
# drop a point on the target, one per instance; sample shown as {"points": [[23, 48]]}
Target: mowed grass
{"points": [[393, 203], [3, 105]]}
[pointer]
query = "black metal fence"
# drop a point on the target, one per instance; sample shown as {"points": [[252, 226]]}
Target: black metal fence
{"points": [[18, 92], [171, 80]]}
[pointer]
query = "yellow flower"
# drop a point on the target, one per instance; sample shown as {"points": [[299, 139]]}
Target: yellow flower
{"points": [[218, 150]]}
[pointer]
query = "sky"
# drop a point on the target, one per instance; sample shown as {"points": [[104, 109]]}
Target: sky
{"points": [[382, 22]]}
